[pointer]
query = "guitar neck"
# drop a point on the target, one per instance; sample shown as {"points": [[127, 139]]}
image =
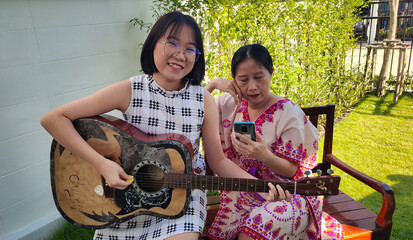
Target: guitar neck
{"points": [[192, 181]]}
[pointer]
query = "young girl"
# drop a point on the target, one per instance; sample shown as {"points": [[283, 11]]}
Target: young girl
{"points": [[286, 146], [168, 98]]}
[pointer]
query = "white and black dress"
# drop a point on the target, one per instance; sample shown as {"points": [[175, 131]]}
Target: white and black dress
{"points": [[156, 111]]}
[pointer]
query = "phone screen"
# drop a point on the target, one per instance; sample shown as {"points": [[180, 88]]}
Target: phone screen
{"points": [[245, 128]]}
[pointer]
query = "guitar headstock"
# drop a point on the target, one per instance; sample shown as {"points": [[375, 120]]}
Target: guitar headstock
{"points": [[321, 185]]}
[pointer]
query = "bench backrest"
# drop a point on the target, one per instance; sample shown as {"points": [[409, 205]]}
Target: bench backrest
{"points": [[315, 114]]}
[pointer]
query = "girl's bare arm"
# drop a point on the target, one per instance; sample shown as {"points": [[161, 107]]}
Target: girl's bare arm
{"points": [[58, 123], [216, 158]]}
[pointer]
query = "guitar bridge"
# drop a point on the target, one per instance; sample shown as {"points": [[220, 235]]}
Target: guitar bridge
{"points": [[108, 191]]}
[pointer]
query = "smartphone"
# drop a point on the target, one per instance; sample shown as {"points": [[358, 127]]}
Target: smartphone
{"points": [[245, 128]]}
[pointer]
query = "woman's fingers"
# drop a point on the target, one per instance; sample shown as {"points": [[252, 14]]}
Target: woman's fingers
{"points": [[281, 194], [288, 196], [229, 86], [277, 193], [272, 193], [237, 95]]}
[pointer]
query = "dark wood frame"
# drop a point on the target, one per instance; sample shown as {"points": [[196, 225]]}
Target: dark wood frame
{"points": [[358, 221]]}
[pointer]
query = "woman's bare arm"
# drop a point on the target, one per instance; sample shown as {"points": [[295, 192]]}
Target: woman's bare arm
{"points": [[225, 85]]}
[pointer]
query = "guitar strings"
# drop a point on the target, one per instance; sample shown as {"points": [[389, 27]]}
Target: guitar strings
{"points": [[176, 180], [182, 178]]}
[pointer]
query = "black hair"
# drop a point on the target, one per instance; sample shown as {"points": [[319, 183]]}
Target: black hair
{"points": [[255, 51], [176, 20]]}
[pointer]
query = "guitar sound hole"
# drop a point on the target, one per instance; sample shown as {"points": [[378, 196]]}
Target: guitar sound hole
{"points": [[150, 178]]}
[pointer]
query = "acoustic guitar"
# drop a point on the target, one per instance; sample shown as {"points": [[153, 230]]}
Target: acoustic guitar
{"points": [[162, 170]]}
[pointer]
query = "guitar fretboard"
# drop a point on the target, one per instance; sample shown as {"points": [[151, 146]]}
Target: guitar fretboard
{"points": [[192, 181]]}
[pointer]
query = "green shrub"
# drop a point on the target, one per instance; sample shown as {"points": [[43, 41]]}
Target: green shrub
{"points": [[307, 39]]}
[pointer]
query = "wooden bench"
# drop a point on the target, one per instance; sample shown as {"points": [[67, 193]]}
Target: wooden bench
{"points": [[358, 221]]}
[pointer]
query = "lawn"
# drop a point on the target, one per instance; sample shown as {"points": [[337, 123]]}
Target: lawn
{"points": [[71, 232], [375, 138]]}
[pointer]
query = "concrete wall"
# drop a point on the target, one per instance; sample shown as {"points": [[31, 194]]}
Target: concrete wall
{"points": [[52, 52]]}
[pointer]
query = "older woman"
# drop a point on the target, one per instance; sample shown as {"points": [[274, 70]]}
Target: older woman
{"points": [[285, 147]]}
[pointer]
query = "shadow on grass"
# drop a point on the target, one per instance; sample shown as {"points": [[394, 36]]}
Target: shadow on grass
{"points": [[384, 106], [402, 218], [384, 103]]}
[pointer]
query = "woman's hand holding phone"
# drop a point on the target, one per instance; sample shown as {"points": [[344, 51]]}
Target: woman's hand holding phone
{"points": [[248, 147]]}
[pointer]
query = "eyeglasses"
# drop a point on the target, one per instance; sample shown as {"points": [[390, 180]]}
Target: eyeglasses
{"points": [[172, 49]]}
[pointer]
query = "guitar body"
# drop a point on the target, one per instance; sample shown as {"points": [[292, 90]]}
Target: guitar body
{"points": [[79, 189]]}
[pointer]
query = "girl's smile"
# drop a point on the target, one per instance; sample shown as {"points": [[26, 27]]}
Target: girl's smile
{"points": [[173, 68]]}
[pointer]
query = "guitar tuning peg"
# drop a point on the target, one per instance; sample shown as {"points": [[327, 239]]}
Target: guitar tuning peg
{"points": [[308, 172], [330, 171], [319, 172]]}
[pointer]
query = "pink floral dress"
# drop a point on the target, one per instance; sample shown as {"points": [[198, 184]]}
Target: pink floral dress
{"points": [[290, 135]]}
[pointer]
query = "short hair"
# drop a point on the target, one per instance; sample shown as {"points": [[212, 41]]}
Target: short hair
{"points": [[176, 20], [255, 51]]}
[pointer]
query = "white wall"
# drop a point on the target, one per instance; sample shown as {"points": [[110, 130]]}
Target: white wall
{"points": [[52, 52]]}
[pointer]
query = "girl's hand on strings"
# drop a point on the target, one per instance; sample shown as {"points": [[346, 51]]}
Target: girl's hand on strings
{"points": [[114, 175]]}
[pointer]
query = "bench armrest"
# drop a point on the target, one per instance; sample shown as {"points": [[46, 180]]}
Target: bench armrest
{"points": [[384, 218]]}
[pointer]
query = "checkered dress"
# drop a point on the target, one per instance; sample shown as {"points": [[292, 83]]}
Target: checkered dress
{"points": [[156, 111]]}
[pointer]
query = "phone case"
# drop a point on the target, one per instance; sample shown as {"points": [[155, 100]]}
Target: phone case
{"points": [[245, 128]]}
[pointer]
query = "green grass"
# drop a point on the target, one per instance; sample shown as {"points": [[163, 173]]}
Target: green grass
{"points": [[375, 138], [70, 232]]}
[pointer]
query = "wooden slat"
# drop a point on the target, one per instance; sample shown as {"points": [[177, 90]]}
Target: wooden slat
{"points": [[368, 224], [212, 212], [213, 204], [348, 211], [352, 217], [351, 232], [212, 200], [341, 197], [343, 207]]}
